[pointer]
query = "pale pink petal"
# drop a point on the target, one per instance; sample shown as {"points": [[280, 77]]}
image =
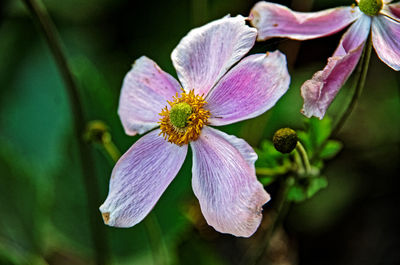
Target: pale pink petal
{"points": [[274, 20], [206, 53], [319, 92], [391, 11], [224, 181], [386, 40], [139, 178], [144, 94], [249, 89], [395, 10]]}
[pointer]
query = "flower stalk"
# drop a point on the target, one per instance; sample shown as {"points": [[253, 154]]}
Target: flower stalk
{"points": [[98, 132], [305, 162], [42, 18], [361, 76], [255, 256], [281, 204]]}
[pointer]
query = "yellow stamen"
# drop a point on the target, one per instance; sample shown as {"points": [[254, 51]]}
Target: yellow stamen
{"points": [[195, 121]]}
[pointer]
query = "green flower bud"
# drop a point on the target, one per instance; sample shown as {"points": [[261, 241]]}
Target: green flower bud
{"points": [[97, 131], [370, 7], [285, 140], [179, 114]]}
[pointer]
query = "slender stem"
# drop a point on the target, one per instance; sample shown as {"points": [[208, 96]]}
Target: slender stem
{"points": [[41, 17], [255, 256], [98, 132], [157, 243], [359, 86], [304, 157], [361, 75], [111, 148], [301, 159], [299, 162]]}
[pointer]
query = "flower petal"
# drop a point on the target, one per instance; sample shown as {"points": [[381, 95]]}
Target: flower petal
{"points": [[139, 178], [206, 53], [274, 20], [252, 87], [144, 93], [224, 181], [319, 92], [395, 10], [386, 40]]}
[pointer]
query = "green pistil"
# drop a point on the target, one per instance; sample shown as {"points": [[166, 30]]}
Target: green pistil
{"points": [[179, 114], [370, 7]]}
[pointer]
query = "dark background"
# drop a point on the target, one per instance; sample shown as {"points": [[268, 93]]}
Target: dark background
{"points": [[43, 209]]}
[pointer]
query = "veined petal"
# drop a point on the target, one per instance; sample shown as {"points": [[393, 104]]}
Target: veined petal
{"points": [[139, 178], [395, 9], [249, 89], [206, 53], [144, 93], [319, 92], [391, 11], [274, 20], [386, 40], [224, 181]]}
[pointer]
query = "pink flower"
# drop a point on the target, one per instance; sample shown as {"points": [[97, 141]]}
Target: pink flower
{"points": [[380, 19], [224, 179]]}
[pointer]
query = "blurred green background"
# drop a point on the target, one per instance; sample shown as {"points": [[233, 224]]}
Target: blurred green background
{"points": [[43, 207]]}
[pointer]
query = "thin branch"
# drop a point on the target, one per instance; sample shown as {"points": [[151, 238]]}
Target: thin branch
{"points": [[42, 18]]}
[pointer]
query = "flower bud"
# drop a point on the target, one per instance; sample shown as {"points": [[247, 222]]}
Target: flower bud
{"points": [[97, 131], [285, 140]]}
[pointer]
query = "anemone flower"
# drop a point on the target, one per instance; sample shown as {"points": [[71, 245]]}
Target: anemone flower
{"points": [[371, 17], [223, 172]]}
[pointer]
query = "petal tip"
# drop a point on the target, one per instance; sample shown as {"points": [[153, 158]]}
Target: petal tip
{"points": [[106, 217]]}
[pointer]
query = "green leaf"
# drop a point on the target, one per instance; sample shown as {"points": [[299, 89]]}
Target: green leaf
{"points": [[319, 130], [305, 140], [306, 189], [268, 156], [267, 180], [331, 149], [296, 193], [315, 185]]}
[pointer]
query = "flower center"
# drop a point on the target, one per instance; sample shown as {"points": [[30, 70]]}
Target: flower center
{"points": [[184, 120], [370, 7], [179, 114]]}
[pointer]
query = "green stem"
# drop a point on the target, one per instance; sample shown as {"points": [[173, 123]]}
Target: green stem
{"points": [[110, 148], [97, 132], [361, 73], [41, 17], [360, 77], [254, 256], [157, 243], [304, 158]]}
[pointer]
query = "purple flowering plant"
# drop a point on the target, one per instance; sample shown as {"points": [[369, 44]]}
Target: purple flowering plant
{"points": [[220, 81], [217, 88], [375, 18]]}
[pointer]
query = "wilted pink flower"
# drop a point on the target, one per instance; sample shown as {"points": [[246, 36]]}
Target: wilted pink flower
{"points": [[380, 19], [224, 179]]}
